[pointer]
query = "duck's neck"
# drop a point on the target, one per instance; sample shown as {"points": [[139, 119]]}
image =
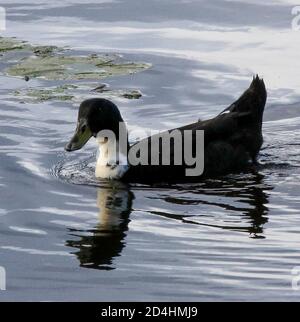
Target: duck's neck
{"points": [[111, 159]]}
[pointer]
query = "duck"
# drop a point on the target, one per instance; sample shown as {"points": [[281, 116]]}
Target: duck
{"points": [[230, 142]]}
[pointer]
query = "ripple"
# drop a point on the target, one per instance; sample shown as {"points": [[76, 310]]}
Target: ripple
{"points": [[28, 230], [230, 238], [36, 251], [81, 172]]}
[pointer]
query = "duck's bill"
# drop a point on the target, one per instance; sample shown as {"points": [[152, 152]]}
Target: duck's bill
{"points": [[79, 139]]}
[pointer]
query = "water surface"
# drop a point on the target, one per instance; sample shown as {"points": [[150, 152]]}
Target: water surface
{"points": [[66, 236]]}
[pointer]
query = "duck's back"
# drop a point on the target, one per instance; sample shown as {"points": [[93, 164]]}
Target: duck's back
{"points": [[231, 139]]}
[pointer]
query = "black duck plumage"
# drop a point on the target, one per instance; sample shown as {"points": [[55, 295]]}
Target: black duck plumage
{"points": [[232, 139]]}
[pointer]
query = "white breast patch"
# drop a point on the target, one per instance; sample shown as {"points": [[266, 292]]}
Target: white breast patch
{"points": [[107, 166]]}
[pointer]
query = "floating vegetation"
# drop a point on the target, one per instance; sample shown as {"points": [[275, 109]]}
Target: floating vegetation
{"points": [[70, 92], [61, 67], [51, 63], [130, 94], [8, 44], [135, 94], [40, 94], [44, 51]]}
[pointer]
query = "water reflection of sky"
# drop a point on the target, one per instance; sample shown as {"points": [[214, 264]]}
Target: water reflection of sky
{"points": [[249, 36], [166, 242]]}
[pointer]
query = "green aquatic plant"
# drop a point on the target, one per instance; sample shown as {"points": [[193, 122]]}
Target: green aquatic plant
{"points": [[63, 67], [9, 43], [44, 50], [135, 94], [71, 92], [34, 95], [51, 63]]}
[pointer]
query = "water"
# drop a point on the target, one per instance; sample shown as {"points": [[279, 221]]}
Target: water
{"points": [[66, 236]]}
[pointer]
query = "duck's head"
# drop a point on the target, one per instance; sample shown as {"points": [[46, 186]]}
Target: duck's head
{"points": [[94, 115]]}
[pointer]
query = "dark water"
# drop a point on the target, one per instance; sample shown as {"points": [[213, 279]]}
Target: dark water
{"points": [[66, 236]]}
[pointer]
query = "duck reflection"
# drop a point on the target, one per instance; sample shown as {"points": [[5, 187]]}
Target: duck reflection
{"points": [[106, 241], [244, 199]]}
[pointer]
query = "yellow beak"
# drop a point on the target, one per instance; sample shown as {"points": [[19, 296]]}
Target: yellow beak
{"points": [[80, 137]]}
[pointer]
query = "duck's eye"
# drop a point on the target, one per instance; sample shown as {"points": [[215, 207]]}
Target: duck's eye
{"points": [[83, 128]]}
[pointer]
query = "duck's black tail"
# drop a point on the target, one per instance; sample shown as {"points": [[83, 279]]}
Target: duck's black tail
{"points": [[252, 102]]}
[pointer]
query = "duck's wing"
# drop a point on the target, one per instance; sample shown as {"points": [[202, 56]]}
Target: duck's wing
{"points": [[245, 112], [238, 128], [240, 125]]}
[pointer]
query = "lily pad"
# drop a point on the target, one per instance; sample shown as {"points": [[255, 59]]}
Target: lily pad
{"points": [[71, 92], [61, 67], [130, 94], [8, 44], [44, 50], [35, 95], [51, 63]]}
